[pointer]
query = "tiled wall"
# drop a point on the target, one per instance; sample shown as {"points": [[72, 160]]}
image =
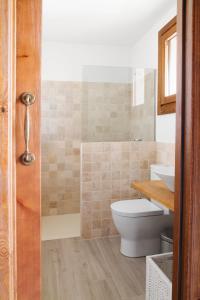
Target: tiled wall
{"points": [[106, 112], [73, 112], [109, 114], [61, 138], [107, 171], [165, 153], [107, 167]]}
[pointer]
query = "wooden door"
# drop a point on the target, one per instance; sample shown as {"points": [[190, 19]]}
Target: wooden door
{"points": [[28, 44], [19, 184]]}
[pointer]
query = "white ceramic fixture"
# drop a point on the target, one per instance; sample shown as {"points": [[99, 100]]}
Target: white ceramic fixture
{"points": [[167, 174], [139, 223]]}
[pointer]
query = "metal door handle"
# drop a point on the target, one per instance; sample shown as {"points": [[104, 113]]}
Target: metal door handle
{"points": [[27, 158]]}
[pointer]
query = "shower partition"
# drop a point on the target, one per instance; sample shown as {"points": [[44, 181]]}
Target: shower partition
{"points": [[118, 104]]}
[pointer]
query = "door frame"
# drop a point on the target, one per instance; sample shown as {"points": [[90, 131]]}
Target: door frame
{"points": [[8, 270], [186, 280]]}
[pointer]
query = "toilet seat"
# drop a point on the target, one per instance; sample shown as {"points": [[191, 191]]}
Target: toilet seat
{"points": [[136, 208]]}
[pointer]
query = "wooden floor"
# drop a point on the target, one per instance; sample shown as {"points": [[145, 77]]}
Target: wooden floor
{"points": [[75, 269]]}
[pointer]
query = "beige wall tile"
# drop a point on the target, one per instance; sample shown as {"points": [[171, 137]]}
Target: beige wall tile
{"points": [[61, 139], [165, 153], [107, 168], [128, 161], [117, 169]]}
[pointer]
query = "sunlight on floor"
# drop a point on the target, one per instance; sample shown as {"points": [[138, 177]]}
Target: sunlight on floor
{"points": [[60, 226]]}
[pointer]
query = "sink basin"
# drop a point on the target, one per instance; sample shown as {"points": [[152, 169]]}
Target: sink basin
{"points": [[167, 174]]}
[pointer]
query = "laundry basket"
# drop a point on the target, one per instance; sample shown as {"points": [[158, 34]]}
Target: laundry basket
{"points": [[159, 276]]}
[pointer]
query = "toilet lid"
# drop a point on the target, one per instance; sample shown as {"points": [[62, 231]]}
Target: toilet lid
{"points": [[136, 208]]}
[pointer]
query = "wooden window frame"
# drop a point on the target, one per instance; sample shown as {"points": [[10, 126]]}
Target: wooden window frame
{"points": [[166, 104]]}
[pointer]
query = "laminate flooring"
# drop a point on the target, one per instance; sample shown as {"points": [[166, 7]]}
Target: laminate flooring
{"points": [[76, 269]]}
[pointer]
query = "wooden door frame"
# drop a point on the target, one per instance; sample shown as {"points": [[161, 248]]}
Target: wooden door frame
{"points": [[8, 273], [186, 281]]}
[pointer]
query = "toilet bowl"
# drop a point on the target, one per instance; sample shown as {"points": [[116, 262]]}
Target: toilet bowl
{"points": [[140, 223]]}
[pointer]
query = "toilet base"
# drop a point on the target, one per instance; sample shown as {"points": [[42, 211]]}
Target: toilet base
{"points": [[138, 248]]}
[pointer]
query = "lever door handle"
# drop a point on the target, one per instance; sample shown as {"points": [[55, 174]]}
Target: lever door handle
{"points": [[27, 158]]}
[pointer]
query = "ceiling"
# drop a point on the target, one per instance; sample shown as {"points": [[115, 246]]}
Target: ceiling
{"points": [[105, 22]]}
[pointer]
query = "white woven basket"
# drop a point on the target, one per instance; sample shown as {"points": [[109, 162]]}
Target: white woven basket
{"points": [[159, 277]]}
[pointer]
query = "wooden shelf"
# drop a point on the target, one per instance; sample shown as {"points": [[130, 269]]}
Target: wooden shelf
{"points": [[157, 190]]}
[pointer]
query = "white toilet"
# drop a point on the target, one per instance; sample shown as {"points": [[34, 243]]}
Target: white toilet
{"points": [[140, 223]]}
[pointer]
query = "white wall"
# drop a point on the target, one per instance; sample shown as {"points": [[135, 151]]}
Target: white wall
{"points": [[64, 62], [145, 54]]}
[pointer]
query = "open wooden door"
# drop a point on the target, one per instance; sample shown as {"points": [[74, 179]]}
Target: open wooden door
{"points": [[28, 45], [20, 55]]}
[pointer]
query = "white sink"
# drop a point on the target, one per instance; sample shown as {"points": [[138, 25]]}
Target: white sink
{"points": [[167, 174]]}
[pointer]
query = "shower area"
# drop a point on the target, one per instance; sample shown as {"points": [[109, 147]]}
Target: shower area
{"points": [[86, 126]]}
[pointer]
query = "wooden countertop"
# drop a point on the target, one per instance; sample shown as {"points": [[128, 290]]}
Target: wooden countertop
{"points": [[157, 190]]}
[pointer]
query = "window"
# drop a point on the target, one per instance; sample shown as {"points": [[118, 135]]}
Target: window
{"points": [[167, 68]]}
